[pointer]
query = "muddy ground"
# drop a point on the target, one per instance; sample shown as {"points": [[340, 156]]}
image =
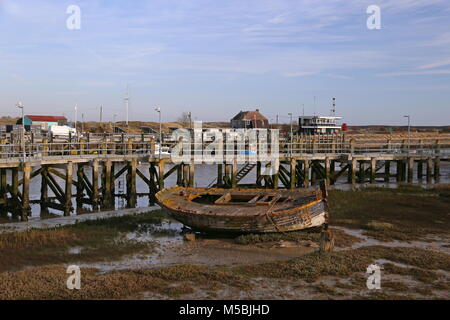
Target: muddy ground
{"points": [[405, 231]]}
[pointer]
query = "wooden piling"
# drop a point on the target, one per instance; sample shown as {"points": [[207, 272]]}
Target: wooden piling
{"points": [[131, 183], [437, 166], [192, 174], [387, 171], [44, 191], [68, 189], [305, 173], [373, 170], [429, 170], [26, 209], [410, 162], [293, 171]]}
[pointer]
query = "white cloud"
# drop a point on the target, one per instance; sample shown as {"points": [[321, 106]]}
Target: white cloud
{"points": [[435, 64]]}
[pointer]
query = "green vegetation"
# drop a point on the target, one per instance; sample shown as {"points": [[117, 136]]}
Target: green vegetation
{"points": [[407, 213], [100, 240]]}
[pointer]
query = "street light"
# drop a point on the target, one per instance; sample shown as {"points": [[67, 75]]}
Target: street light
{"points": [[114, 123], [158, 109], [409, 131], [20, 106]]}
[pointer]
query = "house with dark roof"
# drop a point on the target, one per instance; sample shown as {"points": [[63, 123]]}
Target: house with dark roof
{"points": [[44, 121], [249, 120]]}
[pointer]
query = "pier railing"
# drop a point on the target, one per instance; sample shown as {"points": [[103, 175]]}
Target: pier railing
{"points": [[40, 151]]}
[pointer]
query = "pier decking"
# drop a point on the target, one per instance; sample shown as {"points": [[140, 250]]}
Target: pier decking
{"points": [[92, 167]]}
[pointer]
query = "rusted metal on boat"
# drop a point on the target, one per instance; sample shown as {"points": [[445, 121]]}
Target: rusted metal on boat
{"points": [[246, 210]]}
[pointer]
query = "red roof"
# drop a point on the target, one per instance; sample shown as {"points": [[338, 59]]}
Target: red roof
{"points": [[249, 115], [46, 118]]}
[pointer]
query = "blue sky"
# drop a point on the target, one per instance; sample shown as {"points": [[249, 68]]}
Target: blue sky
{"points": [[217, 57]]}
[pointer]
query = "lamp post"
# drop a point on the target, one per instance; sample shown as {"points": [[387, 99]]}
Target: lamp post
{"points": [[409, 131], [114, 123], [158, 109], [20, 106]]}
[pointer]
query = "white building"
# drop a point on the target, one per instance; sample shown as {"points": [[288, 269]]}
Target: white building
{"points": [[318, 124]]}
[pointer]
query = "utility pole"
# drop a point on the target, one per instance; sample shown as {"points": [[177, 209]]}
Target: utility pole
{"points": [[101, 114], [292, 133], [20, 106], [82, 122], [409, 131], [190, 119], [114, 123]]}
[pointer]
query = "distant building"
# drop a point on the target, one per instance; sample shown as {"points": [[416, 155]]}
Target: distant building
{"points": [[318, 124], [44, 121], [249, 120]]}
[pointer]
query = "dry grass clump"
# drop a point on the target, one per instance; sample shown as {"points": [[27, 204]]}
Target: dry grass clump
{"points": [[311, 266], [49, 282], [407, 213], [100, 240]]}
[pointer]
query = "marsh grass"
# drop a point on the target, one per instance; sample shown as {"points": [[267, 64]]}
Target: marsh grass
{"points": [[406, 213], [100, 240]]}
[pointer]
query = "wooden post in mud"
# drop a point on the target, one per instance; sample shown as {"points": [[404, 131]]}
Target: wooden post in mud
{"points": [[227, 174], [410, 169], [131, 183], [293, 182], [373, 169], [68, 189], [192, 174], [106, 184], [306, 173], [429, 169], [387, 171], [437, 165], [332, 171], [26, 209], [95, 194], [112, 183], [44, 190]]}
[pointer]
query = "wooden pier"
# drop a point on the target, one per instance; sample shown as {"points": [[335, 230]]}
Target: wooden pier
{"points": [[87, 171]]}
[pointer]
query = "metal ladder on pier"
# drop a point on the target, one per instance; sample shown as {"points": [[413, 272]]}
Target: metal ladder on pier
{"points": [[244, 171]]}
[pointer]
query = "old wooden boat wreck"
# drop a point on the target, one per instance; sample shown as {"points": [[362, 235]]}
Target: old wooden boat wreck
{"points": [[246, 210]]}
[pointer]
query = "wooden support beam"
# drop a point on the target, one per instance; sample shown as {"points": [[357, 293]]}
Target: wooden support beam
{"points": [[361, 172], [293, 171], [106, 184], [327, 171], [131, 183], [68, 194], [95, 197], [352, 171], [192, 174], [373, 169], [410, 169], [161, 166], [180, 175], [234, 170], [26, 209], [258, 173], [80, 185], [305, 173], [44, 191], [437, 166], [387, 171], [429, 170]]}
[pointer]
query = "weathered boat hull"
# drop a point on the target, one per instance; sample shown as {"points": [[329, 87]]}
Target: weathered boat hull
{"points": [[257, 220]]}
